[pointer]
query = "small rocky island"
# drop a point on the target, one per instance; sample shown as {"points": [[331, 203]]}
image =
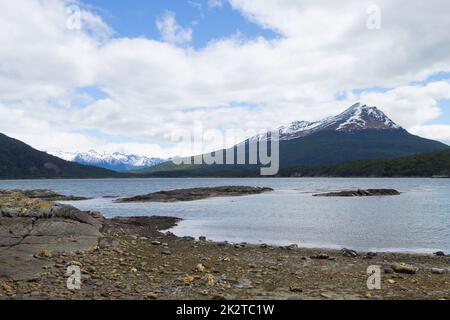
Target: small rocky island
{"points": [[132, 258], [360, 193], [183, 195], [50, 195]]}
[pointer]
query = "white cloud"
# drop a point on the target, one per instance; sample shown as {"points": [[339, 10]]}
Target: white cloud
{"points": [[156, 87], [410, 105], [435, 132], [215, 4], [171, 31]]}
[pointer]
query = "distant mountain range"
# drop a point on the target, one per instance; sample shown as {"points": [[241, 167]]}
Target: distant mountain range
{"points": [[359, 133], [112, 161], [20, 161]]}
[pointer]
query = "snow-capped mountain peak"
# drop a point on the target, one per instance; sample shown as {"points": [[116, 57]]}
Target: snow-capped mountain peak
{"points": [[114, 161], [357, 117]]}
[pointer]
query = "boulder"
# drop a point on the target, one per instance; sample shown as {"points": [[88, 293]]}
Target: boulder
{"points": [[438, 271], [404, 268], [349, 253]]}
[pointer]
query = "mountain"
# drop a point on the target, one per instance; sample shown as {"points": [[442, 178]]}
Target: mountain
{"points": [[420, 165], [359, 133], [357, 118], [20, 161], [116, 161]]}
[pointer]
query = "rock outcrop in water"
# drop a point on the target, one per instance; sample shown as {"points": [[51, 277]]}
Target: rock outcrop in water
{"points": [[195, 194], [361, 193], [50, 195]]}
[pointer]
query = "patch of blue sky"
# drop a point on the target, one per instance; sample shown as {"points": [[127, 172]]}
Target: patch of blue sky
{"points": [[341, 95], [231, 105], [244, 105], [137, 18], [438, 76], [86, 95]]}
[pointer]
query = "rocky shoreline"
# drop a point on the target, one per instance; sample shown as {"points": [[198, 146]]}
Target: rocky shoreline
{"points": [[132, 258]]}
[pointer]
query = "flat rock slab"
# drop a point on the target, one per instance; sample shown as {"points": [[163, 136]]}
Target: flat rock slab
{"points": [[16, 266], [360, 193], [196, 194], [32, 226]]}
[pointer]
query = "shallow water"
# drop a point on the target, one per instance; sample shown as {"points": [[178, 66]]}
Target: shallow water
{"points": [[416, 221]]}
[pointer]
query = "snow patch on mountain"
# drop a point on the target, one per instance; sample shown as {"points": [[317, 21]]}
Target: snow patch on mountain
{"points": [[357, 117]]}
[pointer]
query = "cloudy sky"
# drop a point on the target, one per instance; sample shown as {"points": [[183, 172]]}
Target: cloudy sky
{"points": [[130, 73]]}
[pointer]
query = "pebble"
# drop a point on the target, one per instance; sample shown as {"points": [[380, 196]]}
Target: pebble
{"points": [[294, 298], [295, 289], [7, 288], [388, 270], [156, 243], [274, 268], [320, 256], [151, 296], [349, 253], [74, 263], [106, 242], [438, 271], [44, 254], [200, 268]]}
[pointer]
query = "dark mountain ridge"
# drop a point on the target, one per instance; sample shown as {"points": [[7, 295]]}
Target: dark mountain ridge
{"points": [[20, 161]]}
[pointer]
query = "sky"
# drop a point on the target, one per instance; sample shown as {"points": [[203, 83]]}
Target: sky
{"points": [[129, 76]]}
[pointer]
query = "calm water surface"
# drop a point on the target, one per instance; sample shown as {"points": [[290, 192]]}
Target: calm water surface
{"points": [[416, 221]]}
